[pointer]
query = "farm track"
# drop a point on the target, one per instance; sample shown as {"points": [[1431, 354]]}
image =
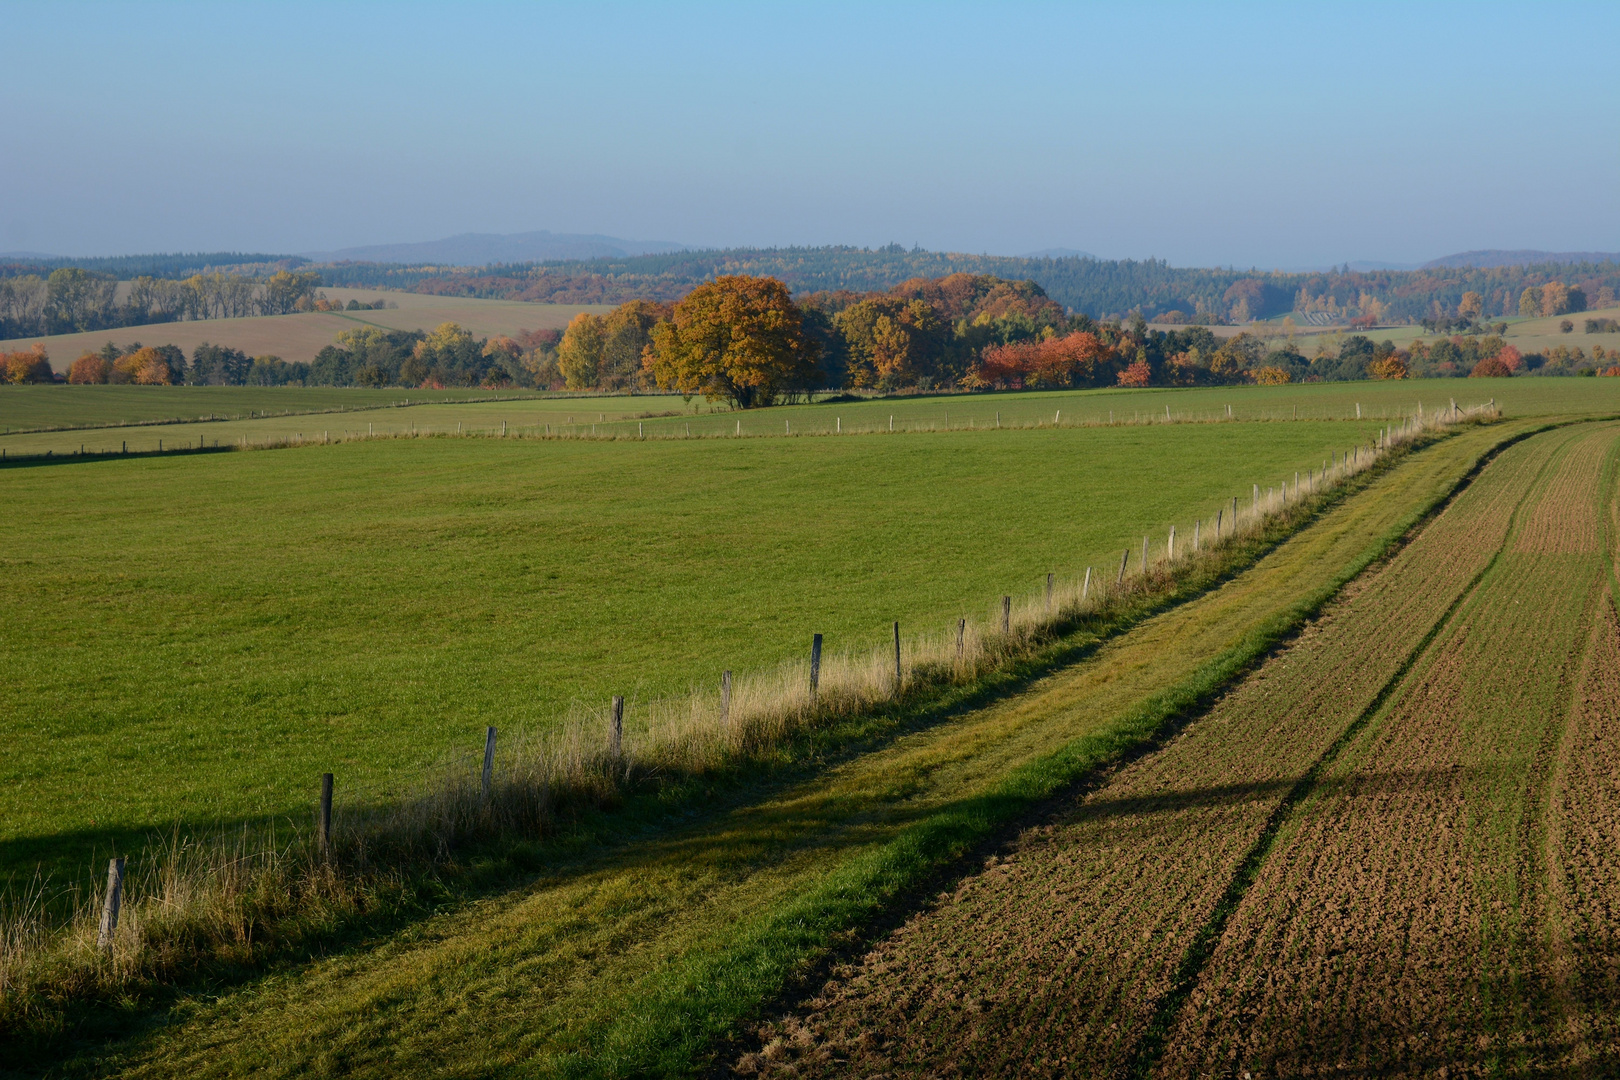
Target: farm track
{"points": [[1077, 952], [570, 974], [1416, 914]]}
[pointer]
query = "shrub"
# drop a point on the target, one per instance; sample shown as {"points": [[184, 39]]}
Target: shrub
{"points": [[1272, 376]]}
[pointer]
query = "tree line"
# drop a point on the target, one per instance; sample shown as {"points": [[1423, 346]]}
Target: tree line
{"points": [[72, 299]]}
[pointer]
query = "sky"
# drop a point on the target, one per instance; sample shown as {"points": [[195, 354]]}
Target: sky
{"points": [[1268, 135]]}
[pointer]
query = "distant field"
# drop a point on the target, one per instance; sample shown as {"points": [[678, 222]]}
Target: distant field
{"points": [[532, 414], [29, 407], [200, 637], [301, 336], [1527, 335]]}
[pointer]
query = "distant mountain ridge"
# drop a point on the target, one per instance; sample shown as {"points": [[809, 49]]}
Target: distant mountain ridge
{"points": [[1490, 258], [484, 249]]}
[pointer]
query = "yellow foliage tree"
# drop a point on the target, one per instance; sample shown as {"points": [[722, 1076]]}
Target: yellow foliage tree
{"points": [[579, 354], [1388, 367]]}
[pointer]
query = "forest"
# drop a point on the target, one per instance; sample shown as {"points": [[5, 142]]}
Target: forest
{"points": [[1109, 289], [1101, 288]]}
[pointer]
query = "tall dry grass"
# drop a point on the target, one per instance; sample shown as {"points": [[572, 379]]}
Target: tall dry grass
{"points": [[206, 897]]}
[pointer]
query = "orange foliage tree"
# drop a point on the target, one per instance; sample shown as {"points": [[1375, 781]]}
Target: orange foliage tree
{"points": [[147, 366], [1272, 376], [1511, 357], [89, 368], [1491, 367], [28, 366], [1058, 361], [1137, 374], [736, 337]]}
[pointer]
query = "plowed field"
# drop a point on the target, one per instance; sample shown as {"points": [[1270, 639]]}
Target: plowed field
{"points": [[1388, 850]]}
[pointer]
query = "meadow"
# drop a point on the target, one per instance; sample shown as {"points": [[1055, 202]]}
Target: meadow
{"points": [[36, 408], [671, 416], [197, 637]]}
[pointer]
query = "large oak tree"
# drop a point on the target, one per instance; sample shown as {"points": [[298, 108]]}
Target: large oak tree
{"points": [[740, 338]]}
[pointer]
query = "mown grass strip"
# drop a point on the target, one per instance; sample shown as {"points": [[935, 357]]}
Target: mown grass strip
{"points": [[672, 1026]]}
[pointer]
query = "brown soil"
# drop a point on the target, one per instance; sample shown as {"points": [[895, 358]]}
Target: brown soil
{"points": [[1401, 925], [1054, 959]]}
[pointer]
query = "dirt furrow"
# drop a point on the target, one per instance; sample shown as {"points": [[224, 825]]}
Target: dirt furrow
{"points": [[1400, 924], [1055, 958]]}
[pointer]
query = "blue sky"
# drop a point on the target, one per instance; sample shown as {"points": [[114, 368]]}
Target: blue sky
{"points": [[1272, 135]]}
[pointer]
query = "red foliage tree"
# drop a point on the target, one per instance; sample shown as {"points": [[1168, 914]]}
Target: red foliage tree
{"points": [[1491, 367], [1138, 374]]}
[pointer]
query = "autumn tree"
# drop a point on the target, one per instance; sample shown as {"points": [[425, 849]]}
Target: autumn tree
{"points": [[1388, 367], [1554, 298], [579, 356], [450, 355], [1530, 302], [146, 366], [736, 337], [1073, 359], [626, 335], [27, 366], [1137, 374], [1490, 368], [89, 369], [1472, 305], [891, 342]]}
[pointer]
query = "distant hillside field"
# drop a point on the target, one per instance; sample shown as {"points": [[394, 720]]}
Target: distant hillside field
{"points": [[299, 337]]}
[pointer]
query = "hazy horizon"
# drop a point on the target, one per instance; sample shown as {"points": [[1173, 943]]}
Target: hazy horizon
{"points": [[1261, 135]]}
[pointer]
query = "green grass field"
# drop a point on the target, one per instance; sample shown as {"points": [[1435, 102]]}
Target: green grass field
{"points": [[31, 408], [198, 637], [624, 416]]}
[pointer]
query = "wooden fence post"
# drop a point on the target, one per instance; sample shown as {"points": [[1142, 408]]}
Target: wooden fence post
{"points": [[1234, 513], [725, 698], [618, 727], [961, 639], [1197, 524], [1006, 614], [110, 906], [1170, 548], [489, 763], [897, 678], [323, 831], [1085, 587], [1124, 558], [815, 666], [1049, 577]]}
